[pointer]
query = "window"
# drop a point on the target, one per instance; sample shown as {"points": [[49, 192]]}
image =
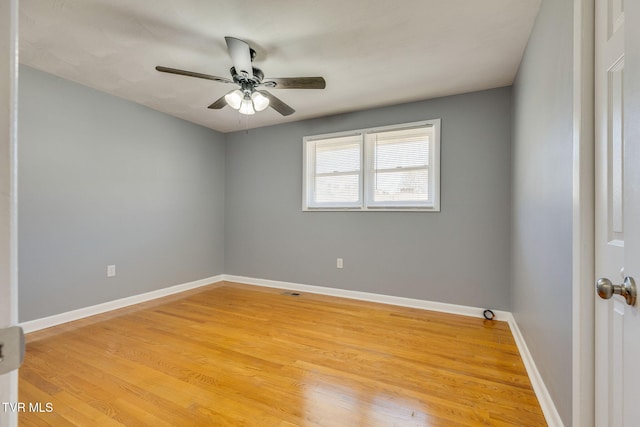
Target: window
{"points": [[386, 168], [337, 171]]}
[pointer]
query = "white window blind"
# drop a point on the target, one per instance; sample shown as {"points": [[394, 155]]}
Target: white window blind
{"points": [[398, 167], [387, 168], [336, 171]]}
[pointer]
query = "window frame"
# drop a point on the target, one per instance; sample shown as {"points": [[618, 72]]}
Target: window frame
{"points": [[367, 171], [309, 173]]}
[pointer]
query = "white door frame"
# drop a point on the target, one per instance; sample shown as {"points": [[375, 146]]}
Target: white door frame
{"points": [[583, 244], [8, 192]]}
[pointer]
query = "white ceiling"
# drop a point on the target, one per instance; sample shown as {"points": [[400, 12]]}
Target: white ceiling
{"points": [[370, 52]]}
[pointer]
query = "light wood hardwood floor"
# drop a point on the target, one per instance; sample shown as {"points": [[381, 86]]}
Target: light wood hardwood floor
{"points": [[237, 355]]}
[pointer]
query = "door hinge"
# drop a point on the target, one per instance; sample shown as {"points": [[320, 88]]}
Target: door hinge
{"points": [[11, 349]]}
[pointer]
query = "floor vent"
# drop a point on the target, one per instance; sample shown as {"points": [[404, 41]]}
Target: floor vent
{"points": [[291, 293]]}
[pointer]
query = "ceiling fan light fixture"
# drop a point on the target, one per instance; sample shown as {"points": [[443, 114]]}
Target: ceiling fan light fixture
{"points": [[260, 102], [246, 107], [247, 100], [234, 99]]}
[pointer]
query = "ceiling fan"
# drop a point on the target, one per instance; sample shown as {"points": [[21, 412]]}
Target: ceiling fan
{"points": [[251, 96]]}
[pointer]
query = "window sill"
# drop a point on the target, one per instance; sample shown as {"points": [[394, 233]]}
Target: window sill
{"points": [[385, 209]]}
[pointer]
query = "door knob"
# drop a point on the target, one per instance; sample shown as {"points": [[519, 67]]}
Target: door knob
{"points": [[606, 289]]}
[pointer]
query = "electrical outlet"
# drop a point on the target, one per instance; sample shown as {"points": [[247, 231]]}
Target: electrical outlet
{"points": [[339, 263], [111, 270]]}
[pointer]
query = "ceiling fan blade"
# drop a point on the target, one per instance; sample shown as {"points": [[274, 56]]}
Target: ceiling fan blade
{"points": [[296, 83], [193, 74], [278, 105], [240, 55], [219, 103]]}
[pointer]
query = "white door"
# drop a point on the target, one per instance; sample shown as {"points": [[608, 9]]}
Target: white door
{"points": [[8, 230], [617, 71]]}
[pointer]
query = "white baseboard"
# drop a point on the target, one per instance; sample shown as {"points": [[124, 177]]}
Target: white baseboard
{"points": [[367, 296], [69, 316], [542, 393], [546, 402]]}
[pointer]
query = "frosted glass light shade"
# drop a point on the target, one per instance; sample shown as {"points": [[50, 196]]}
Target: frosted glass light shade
{"points": [[260, 102], [246, 107], [234, 99]]}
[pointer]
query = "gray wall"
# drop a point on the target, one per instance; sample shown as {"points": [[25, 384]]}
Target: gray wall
{"points": [[460, 255], [542, 198], [105, 181]]}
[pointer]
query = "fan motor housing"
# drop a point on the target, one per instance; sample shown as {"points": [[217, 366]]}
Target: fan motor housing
{"points": [[258, 75]]}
